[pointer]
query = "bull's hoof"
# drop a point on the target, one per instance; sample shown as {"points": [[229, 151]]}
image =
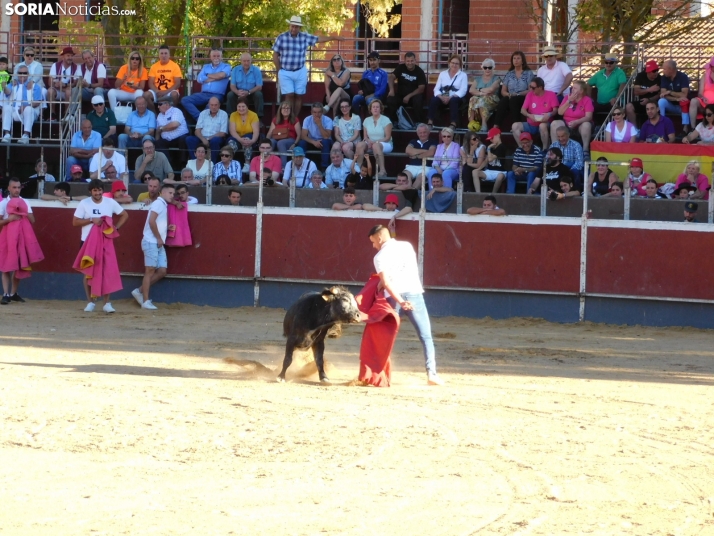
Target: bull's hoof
{"points": [[280, 379], [325, 380]]}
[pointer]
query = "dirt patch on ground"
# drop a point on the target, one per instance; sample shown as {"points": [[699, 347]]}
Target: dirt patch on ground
{"points": [[171, 423]]}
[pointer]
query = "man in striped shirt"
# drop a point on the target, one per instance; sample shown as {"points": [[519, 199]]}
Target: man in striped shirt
{"points": [[527, 163]]}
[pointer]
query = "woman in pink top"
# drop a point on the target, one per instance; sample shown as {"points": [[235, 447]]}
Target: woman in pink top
{"points": [[577, 113], [638, 177], [706, 93], [693, 176]]}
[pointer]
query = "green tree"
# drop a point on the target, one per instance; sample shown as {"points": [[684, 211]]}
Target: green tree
{"points": [[378, 14]]}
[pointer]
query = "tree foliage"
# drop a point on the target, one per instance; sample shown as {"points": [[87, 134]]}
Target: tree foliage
{"points": [[378, 14]]}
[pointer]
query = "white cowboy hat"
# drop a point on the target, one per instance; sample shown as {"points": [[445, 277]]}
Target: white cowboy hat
{"points": [[296, 20]]}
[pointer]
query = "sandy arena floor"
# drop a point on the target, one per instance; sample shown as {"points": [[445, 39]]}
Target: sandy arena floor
{"points": [[135, 423]]}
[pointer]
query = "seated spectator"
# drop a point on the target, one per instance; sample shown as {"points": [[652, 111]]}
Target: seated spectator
{"points": [[638, 178], [84, 145], [704, 131], [675, 90], [223, 180], [450, 89], [421, 147], [211, 130], [338, 170], [488, 208], [620, 130], [301, 167], [439, 197], [601, 180], [244, 128], [21, 101], [683, 191], [348, 130], [103, 121], [609, 82], [182, 198], [214, 78], [391, 206], [34, 67], [187, 177], [377, 137], [554, 171], [76, 173], [246, 83], [118, 192], [402, 184], [706, 93], [410, 81], [111, 175], [539, 108], [153, 162], [108, 157], [486, 94], [201, 166], [646, 89], [690, 212], [337, 84], [514, 90], [448, 149], [494, 170], [657, 127], [154, 185], [41, 172], [362, 180], [577, 112], [556, 75], [567, 189], [164, 80], [572, 153], [271, 161], [475, 154], [267, 178], [651, 190], [93, 76], [349, 201], [228, 166], [171, 130], [234, 196], [131, 81], [285, 131], [317, 181], [140, 126], [317, 132], [527, 164], [62, 193], [373, 84], [64, 82], [693, 176], [616, 190]]}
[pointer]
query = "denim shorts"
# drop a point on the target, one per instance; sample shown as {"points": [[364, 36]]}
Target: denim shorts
{"points": [[153, 256]]}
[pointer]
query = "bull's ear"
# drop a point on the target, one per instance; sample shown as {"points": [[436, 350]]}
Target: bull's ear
{"points": [[327, 295]]}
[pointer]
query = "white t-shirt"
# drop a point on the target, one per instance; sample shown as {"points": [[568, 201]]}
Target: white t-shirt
{"points": [[399, 263], [162, 221], [3, 207], [88, 209], [554, 78], [117, 159]]}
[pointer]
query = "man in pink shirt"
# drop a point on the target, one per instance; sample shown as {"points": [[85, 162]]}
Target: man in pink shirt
{"points": [[272, 162], [539, 109]]}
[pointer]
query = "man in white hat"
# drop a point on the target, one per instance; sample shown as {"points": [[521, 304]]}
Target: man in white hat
{"points": [[289, 58], [556, 74]]}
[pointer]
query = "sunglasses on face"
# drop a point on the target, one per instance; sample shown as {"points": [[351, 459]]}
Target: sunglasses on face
{"points": [[616, 113], [609, 63], [225, 156], [99, 104], [487, 68], [24, 73], [30, 54], [135, 59], [709, 115]]}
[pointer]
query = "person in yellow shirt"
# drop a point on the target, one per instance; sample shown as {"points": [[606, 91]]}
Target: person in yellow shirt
{"points": [[164, 80], [244, 128]]}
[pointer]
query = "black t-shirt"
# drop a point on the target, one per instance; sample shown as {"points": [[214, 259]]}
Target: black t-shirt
{"points": [[500, 152], [642, 82], [361, 183], [553, 174], [408, 81]]}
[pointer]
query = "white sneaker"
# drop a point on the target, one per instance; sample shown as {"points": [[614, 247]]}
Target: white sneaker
{"points": [[108, 308], [24, 140], [432, 378], [6, 138], [90, 307], [148, 305], [326, 110], [138, 296]]}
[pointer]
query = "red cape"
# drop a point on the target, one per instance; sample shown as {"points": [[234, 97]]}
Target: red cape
{"points": [[18, 244], [98, 260]]}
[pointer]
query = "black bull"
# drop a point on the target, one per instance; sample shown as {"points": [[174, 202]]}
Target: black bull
{"points": [[308, 320]]}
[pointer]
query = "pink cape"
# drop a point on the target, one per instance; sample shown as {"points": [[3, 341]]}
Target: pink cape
{"points": [[181, 231], [98, 261], [18, 244], [380, 333]]}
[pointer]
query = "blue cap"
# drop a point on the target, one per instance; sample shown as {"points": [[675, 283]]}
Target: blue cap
{"points": [[298, 151]]}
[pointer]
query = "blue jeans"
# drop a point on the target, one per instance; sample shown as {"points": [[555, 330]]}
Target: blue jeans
{"points": [[668, 106], [72, 161], [326, 146], [358, 101], [125, 141], [419, 318], [88, 93], [512, 177], [192, 103], [215, 143]]}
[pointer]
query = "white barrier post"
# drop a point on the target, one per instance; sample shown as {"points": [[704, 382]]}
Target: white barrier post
{"points": [[375, 187], [422, 217], [258, 234], [543, 192]]}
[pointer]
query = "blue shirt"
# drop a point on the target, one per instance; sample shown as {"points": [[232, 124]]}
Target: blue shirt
{"points": [[338, 175], [94, 141], [292, 49], [680, 81], [312, 129], [141, 124], [244, 81], [216, 86], [379, 78], [572, 154]]}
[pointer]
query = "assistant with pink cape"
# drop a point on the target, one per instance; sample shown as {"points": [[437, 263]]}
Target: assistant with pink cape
{"points": [[98, 261], [19, 247]]}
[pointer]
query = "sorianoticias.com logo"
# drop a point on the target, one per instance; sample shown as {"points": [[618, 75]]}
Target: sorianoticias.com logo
{"points": [[61, 8]]}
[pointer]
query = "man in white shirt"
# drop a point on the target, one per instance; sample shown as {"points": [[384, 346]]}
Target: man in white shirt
{"points": [[304, 168], [110, 157], [90, 211], [556, 74], [152, 244], [396, 265], [93, 76], [9, 281]]}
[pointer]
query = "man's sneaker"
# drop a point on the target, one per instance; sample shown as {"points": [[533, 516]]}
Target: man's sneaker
{"points": [[90, 307], [6, 138], [433, 379], [138, 296], [108, 308], [24, 140], [148, 305], [5, 300], [16, 297]]}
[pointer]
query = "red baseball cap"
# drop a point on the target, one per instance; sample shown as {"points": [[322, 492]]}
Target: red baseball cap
{"points": [[495, 131], [392, 198], [636, 162], [118, 185], [526, 136], [75, 168], [651, 66]]}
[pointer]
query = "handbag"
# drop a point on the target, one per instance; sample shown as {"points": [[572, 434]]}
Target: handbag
{"points": [[121, 112], [280, 133]]}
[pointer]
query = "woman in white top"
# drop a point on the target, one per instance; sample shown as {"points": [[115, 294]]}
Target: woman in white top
{"points": [[450, 89], [347, 130], [202, 167], [705, 130], [620, 130], [377, 136]]}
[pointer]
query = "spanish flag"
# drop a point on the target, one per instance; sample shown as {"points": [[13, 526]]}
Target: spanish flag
{"points": [[664, 161]]}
